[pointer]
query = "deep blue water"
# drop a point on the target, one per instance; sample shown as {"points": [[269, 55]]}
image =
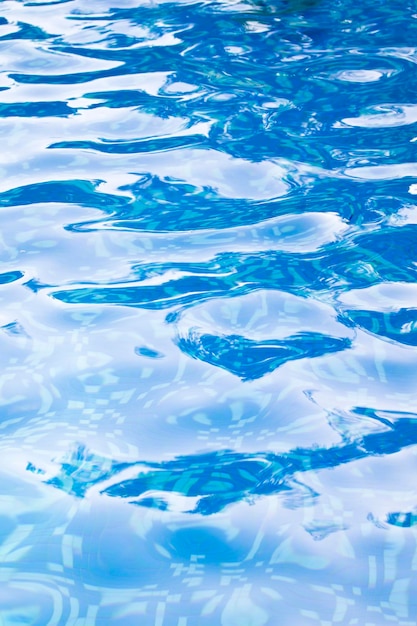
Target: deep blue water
{"points": [[208, 320]]}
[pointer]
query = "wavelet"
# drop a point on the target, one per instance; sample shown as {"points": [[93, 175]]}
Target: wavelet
{"points": [[208, 312]]}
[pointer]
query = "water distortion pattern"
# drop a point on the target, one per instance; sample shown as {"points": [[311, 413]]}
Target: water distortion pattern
{"points": [[208, 320]]}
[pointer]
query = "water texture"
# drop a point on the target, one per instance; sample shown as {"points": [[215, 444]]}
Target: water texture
{"points": [[208, 321]]}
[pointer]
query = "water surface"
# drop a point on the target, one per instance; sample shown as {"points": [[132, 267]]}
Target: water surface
{"points": [[208, 320]]}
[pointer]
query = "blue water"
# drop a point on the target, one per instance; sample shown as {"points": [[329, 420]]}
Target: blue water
{"points": [[208, 320]]}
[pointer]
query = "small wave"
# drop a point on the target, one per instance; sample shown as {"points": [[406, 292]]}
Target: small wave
{"points": [[212, 481]]}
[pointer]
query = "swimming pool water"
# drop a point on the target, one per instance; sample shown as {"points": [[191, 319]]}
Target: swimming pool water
{"points": [[208, 320]]}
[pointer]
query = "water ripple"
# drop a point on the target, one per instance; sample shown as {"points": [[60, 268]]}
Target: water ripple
{"points": [[215, 480], [208, 311], [250, 336]]}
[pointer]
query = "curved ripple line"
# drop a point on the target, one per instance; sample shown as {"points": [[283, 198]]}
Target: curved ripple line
{"points": [[218, 479]]}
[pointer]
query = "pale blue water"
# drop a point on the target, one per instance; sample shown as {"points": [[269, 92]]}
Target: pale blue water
{"points": [[208, 321]]}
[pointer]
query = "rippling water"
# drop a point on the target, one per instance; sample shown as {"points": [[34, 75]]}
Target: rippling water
{"points": [[208, 321]]}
